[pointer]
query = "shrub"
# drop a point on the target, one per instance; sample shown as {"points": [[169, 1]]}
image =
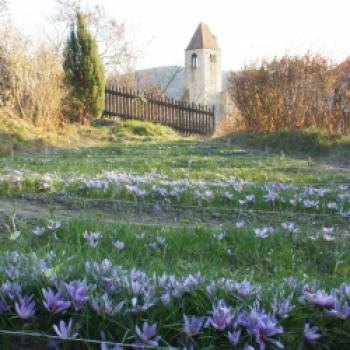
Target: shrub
{"points": [[31, 79], [84, 71], [284, 93]]}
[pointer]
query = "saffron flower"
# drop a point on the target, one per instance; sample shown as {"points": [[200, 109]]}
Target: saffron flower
{"points": [[327, 230], [342, 312], [332, 206], [271, 196], [283, 307], [25, 307], [262, 326], [245, 289], [221, 316], [54, 302], [239, 224], [77, 291], [193, 325], [53, 225], [320, 298], [65, 331], [310, 333], [92, 237], [289, 227], [328, 238], [39, 231], [248, 347], [220, 236], [148, 335], [120, 245], [263, 232], [104, 306], [233, 337]]}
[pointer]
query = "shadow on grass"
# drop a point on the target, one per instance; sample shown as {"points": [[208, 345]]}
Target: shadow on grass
{"points": [[299, 143], [12, 144]]}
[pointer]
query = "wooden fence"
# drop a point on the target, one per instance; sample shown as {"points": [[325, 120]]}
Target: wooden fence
{"points": [[180, 115]]}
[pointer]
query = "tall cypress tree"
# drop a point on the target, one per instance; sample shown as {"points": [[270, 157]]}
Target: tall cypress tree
{"points": [[84, 70]]}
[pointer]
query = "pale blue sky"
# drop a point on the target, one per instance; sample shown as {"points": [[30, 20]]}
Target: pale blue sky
{"points": [[246, 29]]}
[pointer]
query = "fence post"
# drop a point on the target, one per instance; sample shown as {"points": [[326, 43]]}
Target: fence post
{"points": [[213, 121]]}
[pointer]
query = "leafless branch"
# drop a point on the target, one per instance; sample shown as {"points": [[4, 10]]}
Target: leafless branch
{"points": [[115, 47]]}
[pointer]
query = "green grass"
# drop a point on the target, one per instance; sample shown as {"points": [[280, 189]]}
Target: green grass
{"points": [[302, 142], [22, 137], [239, 255], [187, 159], [191, 244]]}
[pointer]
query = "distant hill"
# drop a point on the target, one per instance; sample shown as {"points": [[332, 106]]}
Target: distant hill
{"points": [[172, 75]]}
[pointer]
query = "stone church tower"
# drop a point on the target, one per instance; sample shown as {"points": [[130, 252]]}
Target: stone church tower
{"points": [[203, 68]]}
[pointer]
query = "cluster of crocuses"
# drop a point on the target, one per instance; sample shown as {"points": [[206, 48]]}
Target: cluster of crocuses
{"points": [[326, 233], [240, 312], [233, 190], [159, 188]]}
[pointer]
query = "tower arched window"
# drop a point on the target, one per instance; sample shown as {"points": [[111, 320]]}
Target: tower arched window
{"points": [[194, 61], [213, 58]]}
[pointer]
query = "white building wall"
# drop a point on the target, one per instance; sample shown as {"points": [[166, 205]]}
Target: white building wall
{"points": [[203, 83]]}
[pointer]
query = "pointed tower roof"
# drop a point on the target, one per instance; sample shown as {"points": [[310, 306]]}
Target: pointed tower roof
{"points": [[203, 39]]}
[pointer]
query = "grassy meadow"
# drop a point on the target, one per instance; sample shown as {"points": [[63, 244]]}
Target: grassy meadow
{"points": [[223, 243]]}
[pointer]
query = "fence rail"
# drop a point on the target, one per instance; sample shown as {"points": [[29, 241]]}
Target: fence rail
{"points": [[180, 115]]}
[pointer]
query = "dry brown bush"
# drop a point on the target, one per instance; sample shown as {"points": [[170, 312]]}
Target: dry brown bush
{"points": [[286, 93], [34, 79]]}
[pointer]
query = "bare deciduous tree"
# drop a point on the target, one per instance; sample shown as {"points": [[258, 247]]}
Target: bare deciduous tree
{"points": [[158, 81], [165, 81], [116, 50]]}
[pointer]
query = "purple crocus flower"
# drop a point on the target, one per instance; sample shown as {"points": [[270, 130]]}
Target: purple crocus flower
{"points": [[136, 287], [25, 307], [120, 245], [263, 232], [65, 331], [332, 206], [104, 306], [320, 298], [283, 307], [12, 289], [54, 302], [245, 289], [339, 311], [248, 347], [233, 337], [53, 226], [104, 346], [262, 326], [93, 238], [193, 325], [310, 333], [148, 335], [221, 316], [77, 291], [39, 231]]}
